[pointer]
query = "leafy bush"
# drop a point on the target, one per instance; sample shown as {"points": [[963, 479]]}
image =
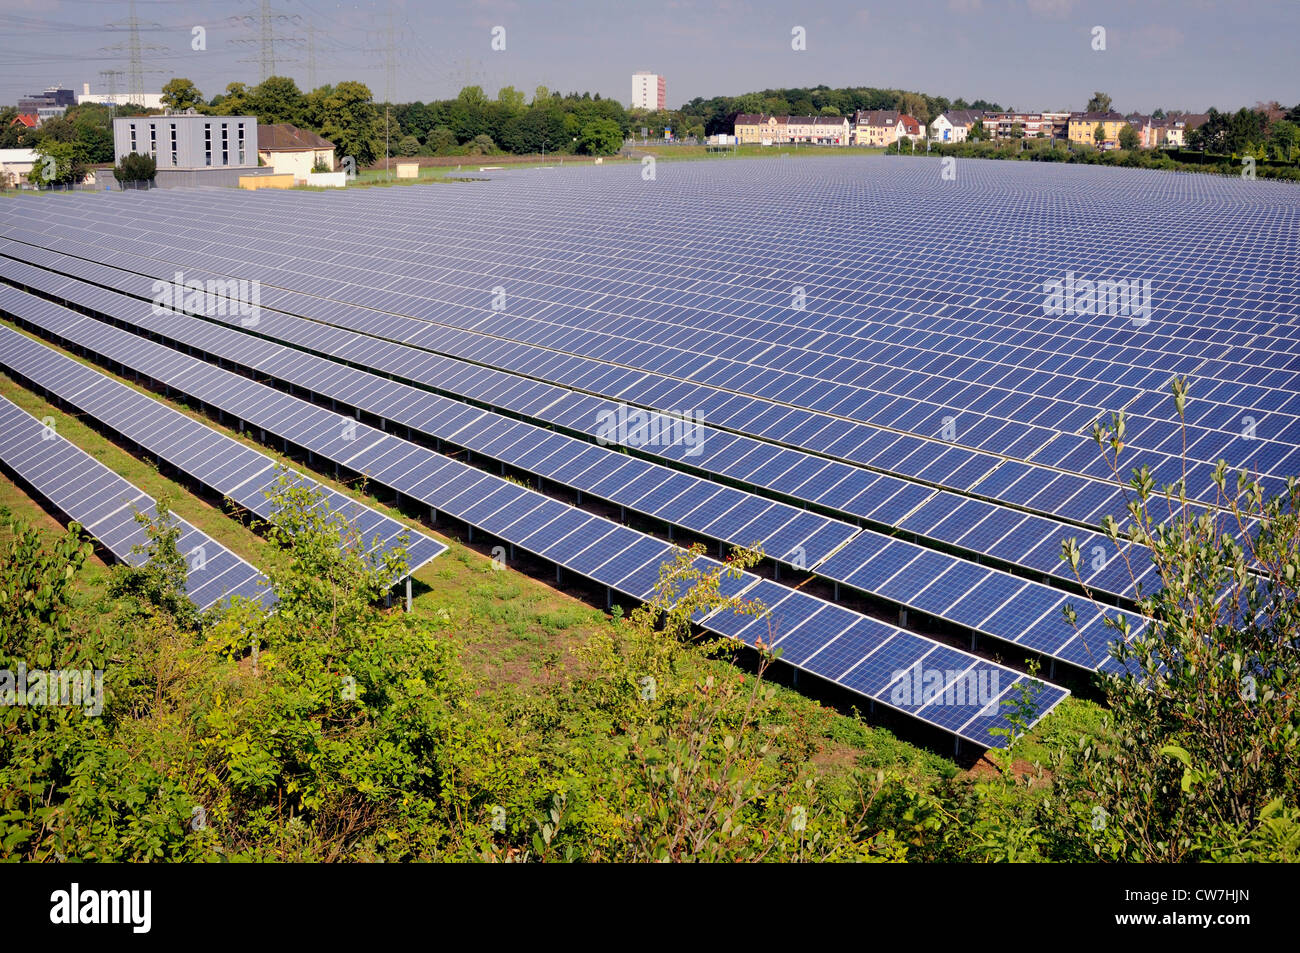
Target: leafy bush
{"points": [[135, 167]]}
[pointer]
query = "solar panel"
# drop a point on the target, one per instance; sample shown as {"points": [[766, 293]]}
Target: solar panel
{"points": [[232, 469], [626, 561], [726, 513], [106, 506], [919, 385], [884, 500]]}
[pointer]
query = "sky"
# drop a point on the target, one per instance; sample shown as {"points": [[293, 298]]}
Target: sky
{"points": [[1023, 54]]}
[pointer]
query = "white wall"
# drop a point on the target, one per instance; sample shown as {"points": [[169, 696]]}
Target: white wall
{"points": [[331, 180]]}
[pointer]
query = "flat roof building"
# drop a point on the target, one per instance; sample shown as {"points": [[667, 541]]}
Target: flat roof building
{"points": [[191, 148], [649, 91]]}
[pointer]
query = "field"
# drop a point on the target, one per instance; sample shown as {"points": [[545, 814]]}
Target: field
{"points": [[850, 373]]}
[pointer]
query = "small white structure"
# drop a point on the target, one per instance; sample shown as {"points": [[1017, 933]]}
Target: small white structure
{"points": [[328, 180], [15, 164]]}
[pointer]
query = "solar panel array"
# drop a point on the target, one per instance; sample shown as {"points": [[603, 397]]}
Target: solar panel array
{"points": [[107, 506], [980, 596], [887, 401], [828, 640], [226, 466]]}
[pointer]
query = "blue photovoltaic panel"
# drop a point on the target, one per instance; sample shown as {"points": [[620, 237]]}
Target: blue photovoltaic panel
{"points": [[107, 505], [130, 413], [919, 352]]}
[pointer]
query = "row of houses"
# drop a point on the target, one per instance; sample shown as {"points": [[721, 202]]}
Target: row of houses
{"points": [[866, 128], [883, 127]]}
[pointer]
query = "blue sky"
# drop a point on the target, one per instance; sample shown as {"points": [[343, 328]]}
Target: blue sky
{"points": [[1030, 54]]}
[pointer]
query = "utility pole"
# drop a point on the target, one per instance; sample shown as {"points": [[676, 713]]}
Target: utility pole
{"points": [[312, 30], [135, 50], [265, 22]]}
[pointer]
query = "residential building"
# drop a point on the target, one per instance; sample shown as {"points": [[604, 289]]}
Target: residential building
{"points": [[288, 149], [189, 148], [1083, 126], [817, 130], [1175, 129], [1039, 125], [760, 128], [877, 127], [649, 91], [1147, 129], [30, 120], [955, 124], [910, 126]]}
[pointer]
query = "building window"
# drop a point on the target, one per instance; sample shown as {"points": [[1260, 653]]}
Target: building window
{"points": [[207, 143], [225, 143], [175, 155], [153, 139], [242, 160], [133, 146]]}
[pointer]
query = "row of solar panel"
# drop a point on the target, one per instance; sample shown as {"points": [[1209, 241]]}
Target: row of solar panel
{"points": [[813, 479], [750, 285], [107, 507], [735, 347], [215, 460], [619, 557], [790, 534], [681, 500], [782, 251], [1072, 497], [1032, 541]]}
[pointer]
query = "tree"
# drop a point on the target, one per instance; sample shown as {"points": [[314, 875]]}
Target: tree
{"points": [[978, 132], [134, 167], [1099, 134], [1128, 137], [235, 101], [159, 583], [1284, 135], [408, 146], [482, 145], [1100, 103], [511, 99], [600, 138], [277, 99], [181, 93], [1201, 746], [1211, 135], [57, 163], [915, 105], [1245, 131], [441, 140], [347, 117]]}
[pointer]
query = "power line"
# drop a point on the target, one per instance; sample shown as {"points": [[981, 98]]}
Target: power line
{"points": [[136, 50]]}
